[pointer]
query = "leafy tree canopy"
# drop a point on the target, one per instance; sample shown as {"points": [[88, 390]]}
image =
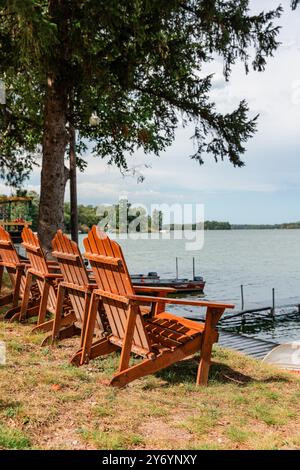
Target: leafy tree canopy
{"points": [[137, 66]]}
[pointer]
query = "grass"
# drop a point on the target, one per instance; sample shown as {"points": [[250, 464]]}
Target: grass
{"points": [[13, 439], [47, 404]]}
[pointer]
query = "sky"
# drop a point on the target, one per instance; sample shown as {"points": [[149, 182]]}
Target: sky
{"points": [[265, 190]]}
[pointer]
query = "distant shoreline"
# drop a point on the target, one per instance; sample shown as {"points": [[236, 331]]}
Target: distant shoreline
{"points": [[215, 225]]}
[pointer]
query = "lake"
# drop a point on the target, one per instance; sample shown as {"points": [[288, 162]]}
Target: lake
{"points": [[258, 259]]}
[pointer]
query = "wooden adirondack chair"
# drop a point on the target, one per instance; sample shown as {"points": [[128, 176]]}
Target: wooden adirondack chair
{"points": [[11, 262], [162, 339], [47, 276], [77, 283]]}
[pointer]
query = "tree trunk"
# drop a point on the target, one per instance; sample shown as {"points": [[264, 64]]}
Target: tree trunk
{"points": [[55, 138], [73, 185]]}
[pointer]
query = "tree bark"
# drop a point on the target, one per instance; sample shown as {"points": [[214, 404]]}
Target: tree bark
{"points": [[73, 185], [53, 178]]}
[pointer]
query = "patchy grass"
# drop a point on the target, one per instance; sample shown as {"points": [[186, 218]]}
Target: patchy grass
{"points": [[47, 404], [13, 439]]}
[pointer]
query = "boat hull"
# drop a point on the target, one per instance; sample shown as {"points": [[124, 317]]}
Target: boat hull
{"points": [[183, 286]]}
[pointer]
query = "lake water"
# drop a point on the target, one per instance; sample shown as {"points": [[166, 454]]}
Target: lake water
{"points": [[258, 259]]}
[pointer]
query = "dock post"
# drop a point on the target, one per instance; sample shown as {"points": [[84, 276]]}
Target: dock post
{"points": [[193, 268], [273, 303], [176, 267], [242, 296]]}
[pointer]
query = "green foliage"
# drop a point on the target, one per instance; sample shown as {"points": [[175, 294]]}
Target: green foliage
{"points": [[34, 209], [214, 225], [87, 217], [135, 65], [11, 438], [208, 225], [291, 225]]}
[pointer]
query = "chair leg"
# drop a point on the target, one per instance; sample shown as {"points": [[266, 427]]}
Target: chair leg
{"points": [[16, 294], [210, 336], [87, 301], [43, 304], [14, 314], [1, 276], [205, 360], [89, 329], [26, 295], [11, 312], [48, 325], [58, 311], [68, 332], [6, 299], [128, 337], [150, 366], [99, 348]]}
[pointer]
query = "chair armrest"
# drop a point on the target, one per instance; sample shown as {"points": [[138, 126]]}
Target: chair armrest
{"points": [[54, 269], [91, 286], [195, 303], [53, 276]]}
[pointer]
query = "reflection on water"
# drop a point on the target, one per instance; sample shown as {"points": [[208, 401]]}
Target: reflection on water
{"points": [[284, 328], [258, 259]]}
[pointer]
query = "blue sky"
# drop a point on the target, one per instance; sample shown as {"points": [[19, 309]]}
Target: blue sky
{"points": [[267, 189]]}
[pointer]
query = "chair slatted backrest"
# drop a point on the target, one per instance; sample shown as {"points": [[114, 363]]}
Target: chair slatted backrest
{"points": [[10, 258], [111, 275], [73, 270], [38, 264]]}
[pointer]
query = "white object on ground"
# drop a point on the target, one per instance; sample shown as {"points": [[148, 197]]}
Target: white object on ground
{"points": [[285, 356]]}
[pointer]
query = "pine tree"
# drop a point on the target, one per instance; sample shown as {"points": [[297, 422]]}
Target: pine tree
{"points": [[136, 66]]}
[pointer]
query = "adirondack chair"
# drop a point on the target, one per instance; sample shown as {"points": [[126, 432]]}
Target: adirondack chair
{"points": [[47, 276], [15, 267], [161, 339], [78, 284]]}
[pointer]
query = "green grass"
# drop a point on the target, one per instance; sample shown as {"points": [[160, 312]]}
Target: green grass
{"points": [[48, 404], [201, 424], [11, 438], [112, 440], [237, 434]]}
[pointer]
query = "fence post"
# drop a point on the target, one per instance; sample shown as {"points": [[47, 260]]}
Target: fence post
{"points": [[273, 303], [242, 296]]}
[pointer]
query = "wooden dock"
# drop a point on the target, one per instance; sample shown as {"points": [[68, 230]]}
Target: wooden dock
{"points": [[253, 347], [270, 305]]}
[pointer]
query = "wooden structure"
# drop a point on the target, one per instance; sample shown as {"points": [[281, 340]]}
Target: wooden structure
{"points": [[78, 285], [161, 339], [16, 269], [46, 274], [15, 215], [253, 347]]}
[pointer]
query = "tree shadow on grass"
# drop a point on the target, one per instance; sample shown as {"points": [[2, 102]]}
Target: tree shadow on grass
{"points": [[185, 372], [4, 404]]}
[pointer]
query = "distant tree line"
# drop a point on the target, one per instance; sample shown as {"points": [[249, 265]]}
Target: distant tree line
{"points": [[215, 225], [208, 225], [121, 217], [289, 225]]}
